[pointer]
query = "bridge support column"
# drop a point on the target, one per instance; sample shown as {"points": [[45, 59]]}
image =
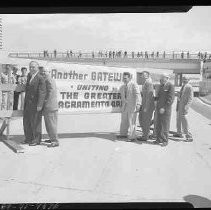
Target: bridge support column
{"points": [[180, 79], [176, 79], [201, 69]]}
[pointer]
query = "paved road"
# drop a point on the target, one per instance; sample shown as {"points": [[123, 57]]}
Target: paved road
{"points": [[92, 166]]}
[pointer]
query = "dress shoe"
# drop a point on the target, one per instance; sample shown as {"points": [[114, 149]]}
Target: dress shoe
{"points": [[178, 135], [25, 142], [47, 141], [53, 144], [130, 140], [142, 138], [152, 136], [34, 143], [121, 136], [163, 144], [156, 142], [188, 139]]}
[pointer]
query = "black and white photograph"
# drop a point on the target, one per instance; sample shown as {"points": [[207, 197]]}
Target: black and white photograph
{"points": [[111, 107]]}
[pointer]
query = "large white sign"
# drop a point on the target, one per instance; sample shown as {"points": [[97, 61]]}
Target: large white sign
{"points": [[88, 88]]}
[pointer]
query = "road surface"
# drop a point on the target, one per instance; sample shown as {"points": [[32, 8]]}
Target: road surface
{"points": [[91, 165]]}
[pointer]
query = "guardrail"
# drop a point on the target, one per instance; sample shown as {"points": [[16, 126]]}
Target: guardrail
{"points": [[113, 55], [6, 109]]}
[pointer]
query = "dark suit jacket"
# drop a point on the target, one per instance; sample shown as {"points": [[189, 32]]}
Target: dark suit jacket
{"points": [[35, 93], [147, 96], [165, 98], [51, 103]]}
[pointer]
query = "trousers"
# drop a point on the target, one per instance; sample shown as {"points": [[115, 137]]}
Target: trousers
{"points": [[32, 123], [16, 100], [128, 124], [182, 123], [51, 119], [162, 126], [145, 119]]}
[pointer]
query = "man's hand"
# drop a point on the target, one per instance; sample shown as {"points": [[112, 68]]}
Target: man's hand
{"points": [[162, 110], [39, 108], [185, 109], [177, 94], [138, 107]]}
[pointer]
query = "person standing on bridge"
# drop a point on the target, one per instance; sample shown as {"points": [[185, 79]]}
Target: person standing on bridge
{"points": [[113, 53], [188, 55], [131, 100], [34, 99], [125, 54], [148, 105], [55, 53], [164, 54], [184, 100], [165, 100], [182, 55]]}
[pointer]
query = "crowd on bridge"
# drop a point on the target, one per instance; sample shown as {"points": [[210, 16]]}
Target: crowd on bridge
{"points": [[152, 103], [126, 54]]}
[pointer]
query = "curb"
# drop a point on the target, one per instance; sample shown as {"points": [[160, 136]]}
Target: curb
{"points": [[205, 101]]}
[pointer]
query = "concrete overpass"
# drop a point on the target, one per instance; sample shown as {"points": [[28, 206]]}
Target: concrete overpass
{"points": [[192, 64]]}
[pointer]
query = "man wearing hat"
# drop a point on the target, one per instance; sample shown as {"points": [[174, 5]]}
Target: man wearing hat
{"points": [[165, 99], [184, 100]]}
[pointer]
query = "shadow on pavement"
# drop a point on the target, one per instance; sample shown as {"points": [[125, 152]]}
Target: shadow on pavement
{"points": [[198, 201], [102, 135]]}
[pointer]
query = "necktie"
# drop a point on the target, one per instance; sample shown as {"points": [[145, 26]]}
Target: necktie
{"points": [[181, 90], [29, 78], [125, 91]]}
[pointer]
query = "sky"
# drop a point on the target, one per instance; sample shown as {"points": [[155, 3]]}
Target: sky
{"points": [[121, 31]]}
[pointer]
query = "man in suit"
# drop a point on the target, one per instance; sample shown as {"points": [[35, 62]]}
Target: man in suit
{"points": [[184, 100], [130, 96], [165, 100], [50, 108], [33, 104], [148, 106]]}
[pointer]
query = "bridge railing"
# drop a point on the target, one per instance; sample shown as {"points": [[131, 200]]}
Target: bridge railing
{"points": [[106, 55]]}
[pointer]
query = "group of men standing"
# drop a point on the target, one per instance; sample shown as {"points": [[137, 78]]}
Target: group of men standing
{"points": [[157, 99], [40, 99]]}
